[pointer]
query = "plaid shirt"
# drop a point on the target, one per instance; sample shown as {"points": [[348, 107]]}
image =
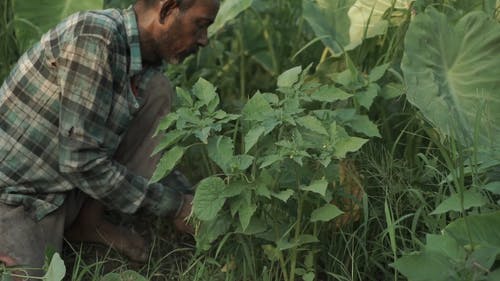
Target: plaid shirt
{"points": [[63, 110]]}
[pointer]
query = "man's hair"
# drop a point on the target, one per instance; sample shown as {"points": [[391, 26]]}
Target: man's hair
{"points": [[183, 4]]}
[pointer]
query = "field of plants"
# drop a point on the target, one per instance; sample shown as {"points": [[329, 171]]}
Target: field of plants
{"points": [[328, 140]]}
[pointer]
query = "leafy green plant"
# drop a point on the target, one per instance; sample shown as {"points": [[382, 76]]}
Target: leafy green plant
{"points": [[270, 167]]}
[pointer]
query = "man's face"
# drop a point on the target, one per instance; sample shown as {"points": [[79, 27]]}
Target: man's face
{"points": [[183, 32]]}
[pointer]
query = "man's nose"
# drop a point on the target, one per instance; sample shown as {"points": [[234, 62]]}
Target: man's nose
{"points": [[203, 38]]}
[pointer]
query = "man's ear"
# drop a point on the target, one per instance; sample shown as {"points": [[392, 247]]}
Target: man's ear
{"points": [[167, 7]]}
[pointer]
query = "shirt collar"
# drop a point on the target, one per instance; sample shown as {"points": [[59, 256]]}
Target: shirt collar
{"points": [[133, 41]]}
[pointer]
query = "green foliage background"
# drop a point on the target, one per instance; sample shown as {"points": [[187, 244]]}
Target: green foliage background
{"points": [[419, 88]]}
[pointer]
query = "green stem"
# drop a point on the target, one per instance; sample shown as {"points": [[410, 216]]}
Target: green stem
{"points": [[293, 258]]}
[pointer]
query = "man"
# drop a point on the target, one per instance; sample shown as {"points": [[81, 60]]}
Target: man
{"points": [[77, 115]]}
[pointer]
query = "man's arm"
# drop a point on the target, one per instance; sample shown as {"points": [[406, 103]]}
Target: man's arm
{"points": [[85, 142]]}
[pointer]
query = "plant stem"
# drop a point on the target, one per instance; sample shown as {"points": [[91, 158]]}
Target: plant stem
{"points": [[293, 258]]}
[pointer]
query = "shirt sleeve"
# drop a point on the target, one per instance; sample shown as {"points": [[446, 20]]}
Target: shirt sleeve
{"points": [[85, 149]]}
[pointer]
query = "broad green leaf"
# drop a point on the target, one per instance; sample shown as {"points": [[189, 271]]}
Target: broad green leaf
{"points": [[166, 122], [205, 92], [484, 229], [494, 275], [326, 213], [493, 187], [447, 246], [367, 20], [289, 77], [437, 267], [221, 150], [348, 144], [283, 195], [184, 97], [203, 134], [378, 72], [255, 226], [263, 191], [32, 19], [235, 189], [392, 90], [361, 124], [329, 21], [309, 276], [452, 76], [167, 163], [227, 12], [365, 98], [245, 214], [253, 136], [318, 186], [270, 159], [209, 199], [169, 139], [211, 230], [56, 270], [471, 198], [257, 109], [329, 94], [242, 162], [307, 239], [312, 123]]}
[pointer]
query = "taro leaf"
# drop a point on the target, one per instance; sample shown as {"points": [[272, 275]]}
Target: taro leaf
{"points": [[326, 213], [257, 108], [209, 198], [56, 269], [437, 267], [221, 150], [452, 76], [228, 11], [329, 21], [205, 92], [289, 77], [471, 198], [253, 136], [168, 139], [366, 18], [32, 19], [329, 94], [318, 186], [484, 229], [167, 163]]}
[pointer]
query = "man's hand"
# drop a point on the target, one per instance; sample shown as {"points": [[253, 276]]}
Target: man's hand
{"points": [[180, 220]]}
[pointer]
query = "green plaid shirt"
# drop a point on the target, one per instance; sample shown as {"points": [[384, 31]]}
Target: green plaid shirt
{"points": [[63, 110]]}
